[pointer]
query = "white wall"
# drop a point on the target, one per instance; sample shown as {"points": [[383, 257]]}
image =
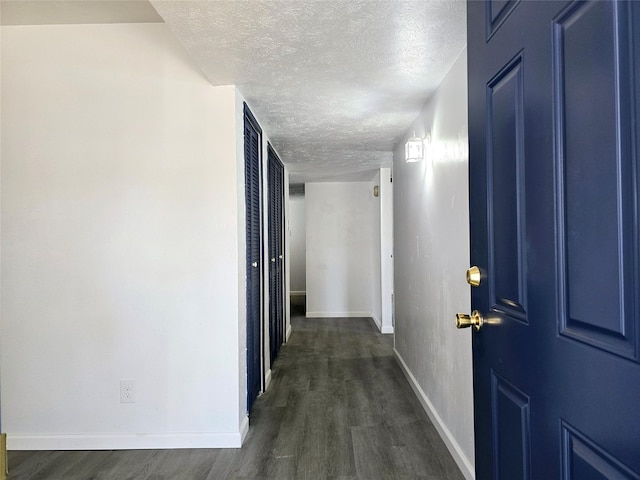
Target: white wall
{"points": [[287, 257], [431, 243], [341, 238], [376, 264], [241, 218], [297, 242], [386, 251], [122, 236]]}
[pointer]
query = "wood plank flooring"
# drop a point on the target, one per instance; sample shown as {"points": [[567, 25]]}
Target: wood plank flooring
{"points": [[339, 407]]}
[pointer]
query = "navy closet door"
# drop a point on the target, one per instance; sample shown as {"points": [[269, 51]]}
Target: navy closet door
{"points": [[276, 255], [252, 156]]}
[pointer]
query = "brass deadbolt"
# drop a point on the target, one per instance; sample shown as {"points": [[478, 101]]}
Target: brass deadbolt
{"points": [[474, 277]]}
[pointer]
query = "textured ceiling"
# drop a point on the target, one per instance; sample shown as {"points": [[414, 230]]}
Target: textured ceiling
{"points": [[335, 84]]}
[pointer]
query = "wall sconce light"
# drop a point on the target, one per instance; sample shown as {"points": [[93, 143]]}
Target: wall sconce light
{"points": [[414, 149]]}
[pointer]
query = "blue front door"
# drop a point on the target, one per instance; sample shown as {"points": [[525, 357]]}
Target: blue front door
{"points": [[554, 129]]}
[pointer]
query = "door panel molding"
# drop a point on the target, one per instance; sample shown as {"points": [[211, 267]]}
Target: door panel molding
{"points": [[506, 187], [596, 172], [511, 431], [583, 458], [496, 14]]}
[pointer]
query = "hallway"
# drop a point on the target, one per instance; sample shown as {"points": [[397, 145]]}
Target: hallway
{"points": [[339, 407]]}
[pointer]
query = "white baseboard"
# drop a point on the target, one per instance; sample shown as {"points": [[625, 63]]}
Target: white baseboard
{"points": [[339, 314], [125, 441], [244, 428], [288, 333], [297, 293], [267, 380], [460, 458], [386, 329]]}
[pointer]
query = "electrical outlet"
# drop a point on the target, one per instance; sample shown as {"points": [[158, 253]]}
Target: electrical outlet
{"points": [[127, 391]]}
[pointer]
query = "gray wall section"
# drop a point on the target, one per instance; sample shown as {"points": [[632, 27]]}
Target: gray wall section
{"points": [[431, 244], [340, 245], [297, 243]]}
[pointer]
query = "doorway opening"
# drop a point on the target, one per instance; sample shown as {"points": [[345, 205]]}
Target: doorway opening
{"points": [[297, 250]]}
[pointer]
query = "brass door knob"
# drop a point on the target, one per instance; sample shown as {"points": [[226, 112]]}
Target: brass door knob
{"points": [[474, 277], [475, 319]]}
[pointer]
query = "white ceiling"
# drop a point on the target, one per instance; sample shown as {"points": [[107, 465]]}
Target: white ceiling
{"points": [[335, 83]]}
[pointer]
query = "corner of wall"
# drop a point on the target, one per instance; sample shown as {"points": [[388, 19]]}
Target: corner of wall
{"points": [[386, 250], [242, 255], [287, 256], [377, 321]]}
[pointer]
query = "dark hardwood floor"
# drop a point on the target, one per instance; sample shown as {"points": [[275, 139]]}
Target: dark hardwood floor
{"points": [[339, 407]]}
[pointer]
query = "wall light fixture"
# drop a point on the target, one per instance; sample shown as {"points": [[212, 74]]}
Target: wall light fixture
{"points": [[414, 149]]}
